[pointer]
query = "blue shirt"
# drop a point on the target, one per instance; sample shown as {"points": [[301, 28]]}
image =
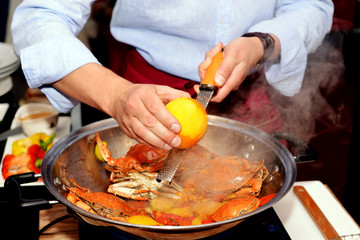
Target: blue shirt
{"points": [[171, 35]]}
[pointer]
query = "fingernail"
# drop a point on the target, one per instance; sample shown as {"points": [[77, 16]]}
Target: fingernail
{"points": [[175, 128], [167, 147], [219, 80], [176, 141]]}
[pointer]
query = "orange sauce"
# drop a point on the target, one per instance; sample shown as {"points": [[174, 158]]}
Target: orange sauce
{"points": [[36, 115]]}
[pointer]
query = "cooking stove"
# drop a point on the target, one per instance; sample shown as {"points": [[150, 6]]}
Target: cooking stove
{"points": [[264, 225]]}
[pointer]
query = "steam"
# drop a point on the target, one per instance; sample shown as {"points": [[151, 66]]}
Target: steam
{"points": [[324, 73], [300, 113]]}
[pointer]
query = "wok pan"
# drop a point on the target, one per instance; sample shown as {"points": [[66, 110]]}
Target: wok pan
{"points": [[73, 157]]}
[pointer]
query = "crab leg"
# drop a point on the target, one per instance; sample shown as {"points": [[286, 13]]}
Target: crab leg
{"points": [[104, 204], [142, 186], [104, 151], [140, 157]]}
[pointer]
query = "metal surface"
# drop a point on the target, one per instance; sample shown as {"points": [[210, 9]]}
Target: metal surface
{"points": [[171, 164], [205, 94], [11, 132], [172, 161], [73, 157], [207, 89]]}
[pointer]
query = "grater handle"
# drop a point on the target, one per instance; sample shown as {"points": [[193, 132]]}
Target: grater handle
{"points": [[210, 72]]}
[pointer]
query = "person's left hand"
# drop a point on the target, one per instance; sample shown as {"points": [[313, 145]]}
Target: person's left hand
{"points": [[240, 55]]}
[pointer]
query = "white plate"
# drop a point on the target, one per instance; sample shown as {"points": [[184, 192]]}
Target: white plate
{"points": [[9, 70], [6, 85], [7, 56], [62, 129], [3, 109], [15, 65]]}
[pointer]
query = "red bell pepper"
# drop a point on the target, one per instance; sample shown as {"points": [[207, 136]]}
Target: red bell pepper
{"points": [[24, 163], [266, 199], [172, 219], [207, 220]]}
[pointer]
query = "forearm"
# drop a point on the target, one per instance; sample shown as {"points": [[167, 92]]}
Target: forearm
{"points": [[94, 85], [267, 46]]}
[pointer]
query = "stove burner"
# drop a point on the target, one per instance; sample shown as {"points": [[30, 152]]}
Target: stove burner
{"points": [[264, 225]]}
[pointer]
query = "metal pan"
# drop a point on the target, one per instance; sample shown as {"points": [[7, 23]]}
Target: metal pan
{"points": [[73, 157]]}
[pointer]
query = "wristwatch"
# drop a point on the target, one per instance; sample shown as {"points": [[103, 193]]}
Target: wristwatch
{"points": [[267, 41]]}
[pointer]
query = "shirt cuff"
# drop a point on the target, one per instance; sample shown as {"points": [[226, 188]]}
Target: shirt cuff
{"points": [[60, 101], [287, 75]]}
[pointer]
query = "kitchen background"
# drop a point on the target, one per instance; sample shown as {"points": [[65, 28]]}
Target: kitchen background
{"points": [[329, 95]]}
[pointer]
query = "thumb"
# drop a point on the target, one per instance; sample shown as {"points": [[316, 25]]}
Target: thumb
{"points": [[224, 71]]}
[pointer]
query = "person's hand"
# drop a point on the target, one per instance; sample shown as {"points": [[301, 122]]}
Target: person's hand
{"points": [[240, 55], [138, 108], [141, 113]]}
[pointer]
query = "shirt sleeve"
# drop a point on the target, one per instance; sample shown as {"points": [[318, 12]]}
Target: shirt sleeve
{"points": [[300, 26], [44, 37]]}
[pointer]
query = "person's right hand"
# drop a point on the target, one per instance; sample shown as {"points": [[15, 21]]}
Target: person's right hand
{"points": [[141, 113], [138, 108]]}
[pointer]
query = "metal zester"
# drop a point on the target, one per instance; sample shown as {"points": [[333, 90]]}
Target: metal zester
{"points": [[207, 90]]}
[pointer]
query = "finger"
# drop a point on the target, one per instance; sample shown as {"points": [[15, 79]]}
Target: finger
{"points": [[145, 135], [167, 94], [134, 128], [197, 88], [140, 124], [160, 122], [125, 126], [208, 58], [225, 69], [215, 50], [233, 82], [203, 67]]}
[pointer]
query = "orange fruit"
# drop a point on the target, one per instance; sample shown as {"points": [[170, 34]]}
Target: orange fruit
{"points": [[192, 117], [142, 220]]}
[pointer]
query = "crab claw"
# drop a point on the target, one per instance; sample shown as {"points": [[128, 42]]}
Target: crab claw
{"points": [[142, 186], [104, 151]]}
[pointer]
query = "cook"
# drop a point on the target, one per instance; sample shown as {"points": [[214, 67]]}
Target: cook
{"points": [[169, 39]]}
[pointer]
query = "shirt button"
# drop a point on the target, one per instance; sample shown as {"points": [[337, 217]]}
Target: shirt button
{"points": [[221, 21]]}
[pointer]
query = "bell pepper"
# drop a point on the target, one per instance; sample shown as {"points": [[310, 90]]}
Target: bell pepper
{"points": [[20, 146], [46, 141], [28, 162], [19, 164], [172, 219], [38, 152], [266, 199], [27, 154]]}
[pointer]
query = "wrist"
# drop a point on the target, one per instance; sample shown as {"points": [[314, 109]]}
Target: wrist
{"points": [[267, 41]]}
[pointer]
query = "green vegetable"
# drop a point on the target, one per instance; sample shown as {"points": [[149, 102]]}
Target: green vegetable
{"points": [[38, 163], [44, 144]]}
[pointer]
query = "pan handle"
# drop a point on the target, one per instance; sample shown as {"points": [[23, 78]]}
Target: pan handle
{"points": [[14, 191], [301, 151]]}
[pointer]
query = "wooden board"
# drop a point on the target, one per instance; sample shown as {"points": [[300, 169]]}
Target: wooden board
{"points": [[317, 215], [64, 230]]}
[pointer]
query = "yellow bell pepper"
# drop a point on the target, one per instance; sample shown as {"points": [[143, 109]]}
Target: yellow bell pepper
{"points": [[19, 147], [142, 220]]}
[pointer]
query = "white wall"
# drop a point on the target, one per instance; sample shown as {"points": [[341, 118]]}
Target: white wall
{"points": [[13, 4]]}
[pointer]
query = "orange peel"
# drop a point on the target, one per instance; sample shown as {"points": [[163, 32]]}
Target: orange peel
{"points": [[192, 117]]}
